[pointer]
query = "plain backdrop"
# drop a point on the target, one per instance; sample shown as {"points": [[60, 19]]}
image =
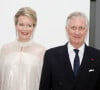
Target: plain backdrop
{"points": [[52, 14]]}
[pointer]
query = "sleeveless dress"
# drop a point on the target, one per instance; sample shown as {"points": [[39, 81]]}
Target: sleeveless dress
{"points": [[20, 65]]}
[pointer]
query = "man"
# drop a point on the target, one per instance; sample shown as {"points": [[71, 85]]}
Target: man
{"points": [[74, 66]]}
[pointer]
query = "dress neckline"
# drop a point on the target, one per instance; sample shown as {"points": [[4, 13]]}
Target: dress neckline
{"points": [[23, 44]]}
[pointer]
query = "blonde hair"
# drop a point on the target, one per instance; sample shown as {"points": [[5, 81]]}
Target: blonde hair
{"points": [[26, 11]]}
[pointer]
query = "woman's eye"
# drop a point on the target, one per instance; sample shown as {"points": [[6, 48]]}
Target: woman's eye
{"points": [[29, 25], [21, 25]]}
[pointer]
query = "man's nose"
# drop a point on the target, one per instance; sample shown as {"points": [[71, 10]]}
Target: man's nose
{"points": [[77, 31]]}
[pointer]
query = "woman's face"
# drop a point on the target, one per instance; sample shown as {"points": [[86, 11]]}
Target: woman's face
{"points": [[24, 28]]}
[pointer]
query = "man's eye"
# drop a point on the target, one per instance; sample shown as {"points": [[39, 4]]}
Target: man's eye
{"points": [[81, 28], [73, 28]]}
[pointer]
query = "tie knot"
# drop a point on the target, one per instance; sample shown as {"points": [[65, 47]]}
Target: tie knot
{"points": [[76, 51]]}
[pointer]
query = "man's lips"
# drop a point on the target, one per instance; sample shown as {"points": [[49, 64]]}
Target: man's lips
{"points": [[76, 36]]}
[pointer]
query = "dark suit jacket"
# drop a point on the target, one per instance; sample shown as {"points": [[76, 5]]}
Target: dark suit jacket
{"points": [[57, 73]]}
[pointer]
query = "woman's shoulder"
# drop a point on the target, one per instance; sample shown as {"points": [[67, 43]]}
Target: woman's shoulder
{"points": [[7, 45]]}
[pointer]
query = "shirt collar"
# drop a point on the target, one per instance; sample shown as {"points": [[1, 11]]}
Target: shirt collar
{"points": [[81, 49]]}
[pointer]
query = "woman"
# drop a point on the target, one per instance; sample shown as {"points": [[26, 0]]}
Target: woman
{"points": [[21, 60]]}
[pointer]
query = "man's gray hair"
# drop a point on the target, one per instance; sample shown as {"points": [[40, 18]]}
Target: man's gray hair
{"points": [[77, 14]]}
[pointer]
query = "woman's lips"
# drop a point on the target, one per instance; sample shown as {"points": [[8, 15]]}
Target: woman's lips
{"points": [[24, 33]]}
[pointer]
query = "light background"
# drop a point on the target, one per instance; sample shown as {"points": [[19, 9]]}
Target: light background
{"points": [[52, 14]]}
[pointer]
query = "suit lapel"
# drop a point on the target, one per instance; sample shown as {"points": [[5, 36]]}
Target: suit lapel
{"points": [[66, 63], [86, 62]]}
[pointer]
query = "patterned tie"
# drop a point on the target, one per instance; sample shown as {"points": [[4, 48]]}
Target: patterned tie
{"points": [[76, 62]]}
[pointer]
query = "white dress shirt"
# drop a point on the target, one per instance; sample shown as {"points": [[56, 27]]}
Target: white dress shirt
{"points": [[72, 53]]}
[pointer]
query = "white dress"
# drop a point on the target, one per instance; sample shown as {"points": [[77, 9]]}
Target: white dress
{"points": [[20, 66]]}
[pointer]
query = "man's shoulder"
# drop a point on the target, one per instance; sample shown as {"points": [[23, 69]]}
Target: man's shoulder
{"points": [[57, 49], [93, 50]]}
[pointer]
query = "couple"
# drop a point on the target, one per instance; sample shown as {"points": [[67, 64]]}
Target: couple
{"points": [[21, 61]]}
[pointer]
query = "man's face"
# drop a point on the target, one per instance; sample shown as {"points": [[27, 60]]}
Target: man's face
{"points": [[77, 30]]}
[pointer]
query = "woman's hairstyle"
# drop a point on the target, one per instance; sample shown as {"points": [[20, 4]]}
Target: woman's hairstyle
{"points": [[26, 11], [75, 15]]}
